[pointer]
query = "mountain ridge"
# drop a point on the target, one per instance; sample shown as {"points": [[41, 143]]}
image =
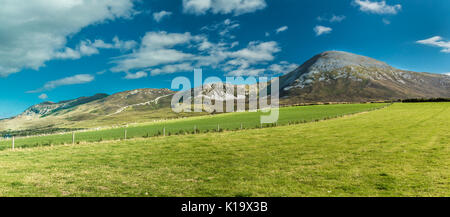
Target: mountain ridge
{"points": [[48, 107], [345, 77]]}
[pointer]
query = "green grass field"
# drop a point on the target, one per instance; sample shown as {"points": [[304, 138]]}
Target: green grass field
{"points": [[401, 150], [231, 121]]}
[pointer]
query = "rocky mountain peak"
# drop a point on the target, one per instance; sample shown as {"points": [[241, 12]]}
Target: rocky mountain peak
{"points": [[338, 59], [351, 77]]}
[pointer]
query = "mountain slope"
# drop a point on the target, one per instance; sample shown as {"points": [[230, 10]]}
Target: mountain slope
{"points": [[99, 110], [335, 76], [47, 108]]}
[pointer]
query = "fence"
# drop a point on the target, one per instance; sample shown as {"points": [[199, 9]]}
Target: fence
{"points": [[220, 123]]}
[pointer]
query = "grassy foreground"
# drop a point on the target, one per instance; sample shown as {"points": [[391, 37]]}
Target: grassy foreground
{"points": [[401, 150], [230, 121]]}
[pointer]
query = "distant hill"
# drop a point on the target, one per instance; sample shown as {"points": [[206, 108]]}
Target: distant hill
{"points": [[99, 110], [335, 76], [47, 108]]}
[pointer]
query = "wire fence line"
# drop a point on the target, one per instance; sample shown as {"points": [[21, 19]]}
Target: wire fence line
{"points": [[219, 123]]}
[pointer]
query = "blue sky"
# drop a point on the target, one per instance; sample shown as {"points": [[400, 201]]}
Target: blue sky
{"points": [[58, 50]]}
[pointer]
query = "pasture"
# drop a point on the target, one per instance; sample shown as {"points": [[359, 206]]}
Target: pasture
{"points": [[211, 123], [400, 150]]}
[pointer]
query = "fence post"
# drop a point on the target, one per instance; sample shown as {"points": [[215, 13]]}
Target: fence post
{"points": [[13, 142], [195, 129], [218, 127], [73, 138], [164, 131], [125, 137]]}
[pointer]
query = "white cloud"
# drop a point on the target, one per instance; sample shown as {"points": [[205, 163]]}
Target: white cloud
{"points": [[376, 7], [236, 7], [164, 53], [320, 30], [123, 45], [196, 6], [33, 32], [158, 16], [333, 19], [337, 19], [447, 73], [101, 72], [282, 29], [283, 67], [386, 21], [137, 75], [437, 41], [156, 48], [224, 28], [68, 53], [88, 48], [246, 72], [43, 96], [76, 79], [257, 52], [169, 69]]}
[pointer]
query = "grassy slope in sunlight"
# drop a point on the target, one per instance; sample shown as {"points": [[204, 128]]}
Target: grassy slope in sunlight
{"points": [[228, 121], [401, 150]]}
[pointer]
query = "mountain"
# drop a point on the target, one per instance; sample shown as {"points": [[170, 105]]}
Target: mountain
{"points": [[47, 108], [336, 76], [98, 110]]}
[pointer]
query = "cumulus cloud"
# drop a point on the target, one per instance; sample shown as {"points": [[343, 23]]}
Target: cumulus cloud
{"points": [[165, 53], [243, 61], [236, 7], [76, 79], [256, 53], [320, 30], [32, 32], [137, 75], [437, 41], [43, 96], [376, 7], [282, 29], [88, 48], [158, 16]]}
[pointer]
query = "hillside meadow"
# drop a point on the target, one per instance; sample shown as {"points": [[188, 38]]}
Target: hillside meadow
{"points": [[204, 124], [400, 150]]}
